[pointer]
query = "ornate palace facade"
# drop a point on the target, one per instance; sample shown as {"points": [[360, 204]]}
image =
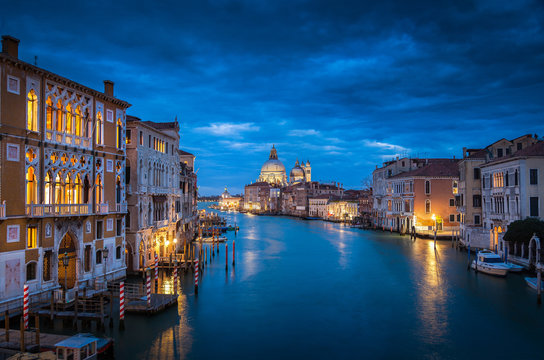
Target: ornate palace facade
{"points": [[62, 181]]}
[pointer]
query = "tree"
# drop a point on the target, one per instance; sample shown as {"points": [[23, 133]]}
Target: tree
{"points": [[523, 230]]}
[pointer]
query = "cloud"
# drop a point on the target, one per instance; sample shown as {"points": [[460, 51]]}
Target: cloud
{"points": [[383, 145], [301, 133], [226, 129]]}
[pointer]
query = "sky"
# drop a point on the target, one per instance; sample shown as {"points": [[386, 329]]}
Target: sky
{"points": [[344, 84]]}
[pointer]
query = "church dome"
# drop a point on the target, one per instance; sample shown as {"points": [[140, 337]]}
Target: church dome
{"points": [[273, 171], [297, 172], [273, 165]]}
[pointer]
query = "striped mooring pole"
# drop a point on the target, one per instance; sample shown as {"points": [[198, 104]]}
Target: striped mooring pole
{"points": [[196, 276], [148, 284], [157, 269], [122, 305], [25, 305], [226, 256], [176, 277]]}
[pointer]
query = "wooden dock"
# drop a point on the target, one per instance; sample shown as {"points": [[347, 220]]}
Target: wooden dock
{"points": [[47, 341], [159, 302]]}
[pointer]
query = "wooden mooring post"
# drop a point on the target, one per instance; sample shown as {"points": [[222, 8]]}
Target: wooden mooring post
{"points": [[6, 324]]}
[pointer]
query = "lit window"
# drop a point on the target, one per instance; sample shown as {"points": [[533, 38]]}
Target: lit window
{"points": [[99, 129], [69, 189], [99, 189], [32, 111], [427, 206], [119, 134], [31, 187], [32, 237], [49, 114], [79, 122], [59, 189], [48, 189], [78, 190], [69, 119], [59, 118]]}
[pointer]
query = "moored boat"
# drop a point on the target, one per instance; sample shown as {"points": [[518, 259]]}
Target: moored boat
{"points": [[490, 263], [514, 267], [532, 281]]}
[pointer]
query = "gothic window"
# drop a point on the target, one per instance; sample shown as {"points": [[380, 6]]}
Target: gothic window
{"points": [[119, 134], [59, 119], [47, 256], [49, 114], [69, 118], [99, 129], [69, 189], [78, 190], [99, 189], [31, 187], [427, 206], [78, 122], [32, 111], [48, 195], [59, 189], [118, 190]]}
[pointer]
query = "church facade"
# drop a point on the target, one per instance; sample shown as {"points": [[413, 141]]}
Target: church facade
{"points": [[273, 171]]}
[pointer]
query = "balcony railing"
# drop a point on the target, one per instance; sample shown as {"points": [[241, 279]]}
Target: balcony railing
{"points": [[36, 210], [3, 210], [121, 208], [67, 139], [102, 208], [161, 223]]}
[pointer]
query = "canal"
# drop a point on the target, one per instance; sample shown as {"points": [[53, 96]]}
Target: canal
{"points": [[313, 289]]}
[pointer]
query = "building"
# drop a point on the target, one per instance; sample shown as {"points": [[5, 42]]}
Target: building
{"points": [[160, 191], [317, 206], [423, 198], [62, 181], [512, 189], [257, 196], [295, 197], [273, 170], [228, 202], [343, 208], [301, 172], [470, 201]]}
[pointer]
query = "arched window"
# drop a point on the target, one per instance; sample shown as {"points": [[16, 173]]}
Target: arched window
{"points": [[31, 187], [119, 134], [59, 189], [69, 189], [78, 190], [78, 122], [427, 206], [118, 190], [60, 118], [48, 195], [99, 129], [32, 111], [49, 114], [69, 118], [99, 189], [427, 187]]}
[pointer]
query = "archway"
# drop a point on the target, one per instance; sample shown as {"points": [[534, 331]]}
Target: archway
{"points": [[142, 255], [129, 257], [67, 275]]}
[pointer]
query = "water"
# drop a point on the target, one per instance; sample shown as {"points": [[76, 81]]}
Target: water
{"points": [[311, 289]]}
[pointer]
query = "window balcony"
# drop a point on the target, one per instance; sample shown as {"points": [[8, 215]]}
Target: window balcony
{"points": [[161, 223], [3, 214], [42, 210], [102, 208], [121, 207], [67, 139]]}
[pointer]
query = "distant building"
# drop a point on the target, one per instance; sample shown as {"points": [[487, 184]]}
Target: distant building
{"points": [[273, 170], [228, 202], [257, 197]]}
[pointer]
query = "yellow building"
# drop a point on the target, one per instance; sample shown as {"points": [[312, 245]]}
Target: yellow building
{"points": [[62, 176]]}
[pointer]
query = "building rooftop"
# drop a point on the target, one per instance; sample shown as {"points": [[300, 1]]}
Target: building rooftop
{"points": [[435, 168]]}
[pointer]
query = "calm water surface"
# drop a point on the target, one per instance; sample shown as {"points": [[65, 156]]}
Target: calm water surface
{"points": [[311, 289]]}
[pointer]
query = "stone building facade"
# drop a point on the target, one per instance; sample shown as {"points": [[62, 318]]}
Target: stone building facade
{"points": [[62, 181]]}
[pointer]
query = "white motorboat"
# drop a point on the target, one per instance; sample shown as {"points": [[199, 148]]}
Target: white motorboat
{"points": [[514, 267], [490, 263], [531, 281]]}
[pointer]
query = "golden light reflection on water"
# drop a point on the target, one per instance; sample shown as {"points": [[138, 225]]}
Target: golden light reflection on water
{"points": [[432, 307], [338, 238], [175, 341]]}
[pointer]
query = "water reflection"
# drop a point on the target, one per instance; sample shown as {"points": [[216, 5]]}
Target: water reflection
{"points": [[432, 310]]}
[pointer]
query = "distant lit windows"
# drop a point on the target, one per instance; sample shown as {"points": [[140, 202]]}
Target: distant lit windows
{"points": [[59, 118], [78, 122], [32, 111], [31, 237], [498, 179], [49, 114], [128, 137]]}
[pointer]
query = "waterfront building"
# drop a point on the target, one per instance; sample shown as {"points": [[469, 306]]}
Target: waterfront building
{"points": [[512, 189], [379, 186], [257, 196], [295, 197], [317, 206], [273, 170], [228, 202], [160, 215], [424, 197], [62, 181], [343, 209], [469, 200]]}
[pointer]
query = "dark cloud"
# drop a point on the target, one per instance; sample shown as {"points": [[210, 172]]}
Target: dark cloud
{"points": [[343, 83]]}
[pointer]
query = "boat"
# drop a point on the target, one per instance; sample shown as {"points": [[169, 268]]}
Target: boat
{"points": [[514, 267], [531, 281], [490, 263], [78, 347], [217, 239]]}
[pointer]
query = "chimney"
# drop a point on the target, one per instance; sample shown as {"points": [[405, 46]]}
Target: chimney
{"points": [[464, 152], [10, 46], [108, 87]]}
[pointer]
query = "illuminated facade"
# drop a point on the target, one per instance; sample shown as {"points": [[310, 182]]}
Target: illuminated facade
{"points": [[62, 178], [228, 202], [273, 170], [160, 187], [301, 172]]}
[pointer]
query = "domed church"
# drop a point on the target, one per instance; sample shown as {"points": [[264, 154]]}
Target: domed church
{"points": [[273, 171], [301, 173]]}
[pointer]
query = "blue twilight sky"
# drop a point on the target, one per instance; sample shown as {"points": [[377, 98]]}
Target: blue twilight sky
{"points": [[345, 84]]}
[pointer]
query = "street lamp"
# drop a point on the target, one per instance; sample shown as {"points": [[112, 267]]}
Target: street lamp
{"points": [[65, 263], [105, 253], [434, 219]]}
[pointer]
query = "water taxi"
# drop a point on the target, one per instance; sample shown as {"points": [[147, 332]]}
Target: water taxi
{"points": [[490, 263]]}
